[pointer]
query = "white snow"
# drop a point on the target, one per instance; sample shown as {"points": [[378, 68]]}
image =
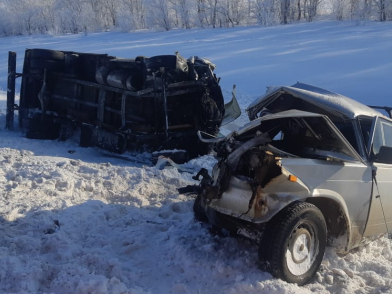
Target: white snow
{"points": [[123, 226]]}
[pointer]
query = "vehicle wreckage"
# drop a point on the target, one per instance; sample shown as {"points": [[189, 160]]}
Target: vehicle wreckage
{"points": [[311, 168], [144, 104]]}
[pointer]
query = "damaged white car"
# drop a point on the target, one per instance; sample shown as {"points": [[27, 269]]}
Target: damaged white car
{"points": [[312, 168]]}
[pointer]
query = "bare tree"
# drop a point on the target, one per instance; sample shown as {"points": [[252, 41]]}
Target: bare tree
{"points": [[183, 11], [366, 9], [133, 14], [213, 8], [311, 8], [109, 12], [299, 11], [285, 11], [232, 12], [266, 12], [75, 16], [382, 7], [160, 15], [201, 12]]}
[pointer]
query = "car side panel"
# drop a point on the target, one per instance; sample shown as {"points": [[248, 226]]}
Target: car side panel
{"points": [[381, 204], [347, 183], [350, 180]]}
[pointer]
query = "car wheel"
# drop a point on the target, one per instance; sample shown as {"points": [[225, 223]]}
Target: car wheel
{"points": [[294, 243], [198, 210]]}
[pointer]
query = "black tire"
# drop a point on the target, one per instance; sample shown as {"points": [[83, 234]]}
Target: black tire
{"points": [[199, 213], [43, 130], [125, 64], [166, 61], [86, 136], [46, 54], [46, 64], [294, 243]]}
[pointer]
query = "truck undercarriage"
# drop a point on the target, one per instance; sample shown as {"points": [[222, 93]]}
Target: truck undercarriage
{"points": [[143, 104]]}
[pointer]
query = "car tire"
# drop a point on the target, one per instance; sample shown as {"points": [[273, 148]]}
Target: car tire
{"points": [[198, 210], [293, 244]]}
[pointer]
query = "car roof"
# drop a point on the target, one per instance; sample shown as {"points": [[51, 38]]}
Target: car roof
{"points": [[292, 113], [325, 99]]}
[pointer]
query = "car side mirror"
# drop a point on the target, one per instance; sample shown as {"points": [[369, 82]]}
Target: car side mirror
{"points": [[384, 155]]}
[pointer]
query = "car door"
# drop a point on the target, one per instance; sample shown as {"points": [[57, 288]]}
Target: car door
{"points": [[380, 151]]}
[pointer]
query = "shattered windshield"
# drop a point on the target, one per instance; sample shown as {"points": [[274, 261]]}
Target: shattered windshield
{"points": [[310, 137]]}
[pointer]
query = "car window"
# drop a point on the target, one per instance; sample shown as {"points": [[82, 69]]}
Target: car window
{"points": [[278, 137], [366, 128], [305, 136], [347, 130], [387, 134], [382, 138]]}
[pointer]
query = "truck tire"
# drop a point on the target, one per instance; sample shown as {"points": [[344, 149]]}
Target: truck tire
{"points": [[293, 244], [52, 65], [47, 54], [166, 61], [125, 64], [43, 130]]}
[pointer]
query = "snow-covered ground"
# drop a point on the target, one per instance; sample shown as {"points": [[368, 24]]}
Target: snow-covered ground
{"points": [[123, 226]]}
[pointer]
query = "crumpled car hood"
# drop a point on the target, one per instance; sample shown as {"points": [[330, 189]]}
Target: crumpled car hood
{"points": [[346, 152], [302, 96]]}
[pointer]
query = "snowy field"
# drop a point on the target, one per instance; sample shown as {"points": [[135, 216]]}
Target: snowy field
{"points": [[123, 226]]}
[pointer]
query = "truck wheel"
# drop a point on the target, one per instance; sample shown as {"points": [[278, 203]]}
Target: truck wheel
{"points": [[294, 242], [43, 130], [198, 210], [125, 64], [46, 54], [166, 61], [46, 64]]}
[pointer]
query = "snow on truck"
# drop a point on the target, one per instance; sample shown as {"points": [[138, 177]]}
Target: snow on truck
{"points": [[144, 104]]}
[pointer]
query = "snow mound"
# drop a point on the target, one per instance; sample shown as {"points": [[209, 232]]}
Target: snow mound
{"points": [[125, 229]]}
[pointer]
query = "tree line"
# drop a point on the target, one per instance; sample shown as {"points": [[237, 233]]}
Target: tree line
{"points": [[75, 16]]}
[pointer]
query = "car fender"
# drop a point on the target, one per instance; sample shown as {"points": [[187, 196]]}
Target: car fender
{"points": [[345, 236]]}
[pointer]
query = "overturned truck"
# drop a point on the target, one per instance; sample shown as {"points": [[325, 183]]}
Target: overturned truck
{"points": [[144, 104]]}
